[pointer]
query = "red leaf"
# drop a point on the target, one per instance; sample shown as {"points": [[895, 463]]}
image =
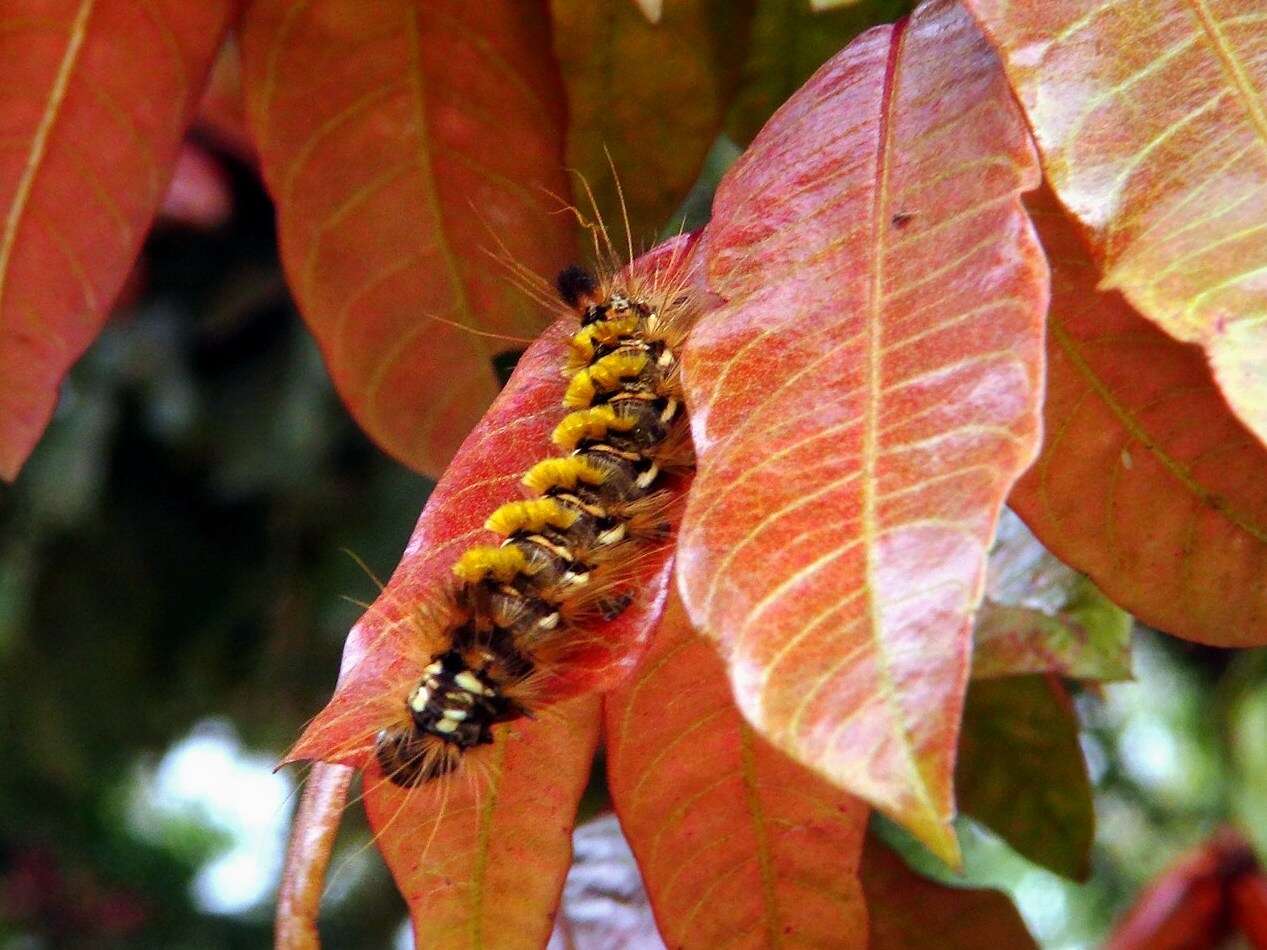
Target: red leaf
{"points": [[909, 912], [733, 838], [1247, 895], [1146, 481], [862, 401], [1151, 116], [508, 839], [97, 97], [401, 140], [1186, 908]]}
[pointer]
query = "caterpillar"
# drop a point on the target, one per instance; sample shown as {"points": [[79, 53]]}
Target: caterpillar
{"points": [[515, 605]]}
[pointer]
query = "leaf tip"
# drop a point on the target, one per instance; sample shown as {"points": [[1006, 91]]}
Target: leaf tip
{"points": [[937, 833], [651, 9], [11, 461]]}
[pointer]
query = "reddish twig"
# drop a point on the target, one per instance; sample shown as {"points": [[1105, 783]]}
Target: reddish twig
{"points": [[308, 856]]}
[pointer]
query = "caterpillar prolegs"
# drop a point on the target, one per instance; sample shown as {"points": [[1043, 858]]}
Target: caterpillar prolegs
{"points": [[514, 607]]}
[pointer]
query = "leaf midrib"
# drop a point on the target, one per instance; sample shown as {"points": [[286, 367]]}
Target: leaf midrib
{"points": [[760, 830], [1233, 68], [427, 173], [39, 141], [871, 415], [1127, 419]]}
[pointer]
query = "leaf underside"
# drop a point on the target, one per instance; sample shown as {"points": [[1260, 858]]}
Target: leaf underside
{"points": [[1146, 481], [405, 143]]}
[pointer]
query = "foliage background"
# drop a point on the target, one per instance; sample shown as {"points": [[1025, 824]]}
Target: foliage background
{"points": [[173, 584]]}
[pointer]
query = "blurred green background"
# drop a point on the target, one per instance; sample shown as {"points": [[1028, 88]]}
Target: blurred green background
{"points": [[174, 590]]}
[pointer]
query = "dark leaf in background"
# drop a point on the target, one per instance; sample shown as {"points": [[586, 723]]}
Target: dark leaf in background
{"points": [[789, 40], [1021, 772], [651, 96]]}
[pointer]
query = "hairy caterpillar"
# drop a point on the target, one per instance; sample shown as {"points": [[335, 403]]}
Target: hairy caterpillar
{"points": [[515, 607]]}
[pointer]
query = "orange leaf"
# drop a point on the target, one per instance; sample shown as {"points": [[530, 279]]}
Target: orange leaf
{"points": [[1146, 481], [482, 862], [909, 912], [1151, 116], [733, 838], [862, 401], [97, 97], [401, 140]]}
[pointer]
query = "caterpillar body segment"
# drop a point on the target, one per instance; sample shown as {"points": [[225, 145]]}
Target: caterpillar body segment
{"points": [[501, 564], [607, 374], [592, 424], [562, 474], [535, 515], [560, 560]]}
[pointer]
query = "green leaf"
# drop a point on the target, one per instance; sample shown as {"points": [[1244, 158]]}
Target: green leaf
{"points": [[1040, 616], [1021, 771]]}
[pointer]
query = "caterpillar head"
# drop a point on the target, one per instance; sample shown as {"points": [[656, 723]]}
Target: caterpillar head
{"points": [[455, 703], [452, 709], [577, 286]]}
